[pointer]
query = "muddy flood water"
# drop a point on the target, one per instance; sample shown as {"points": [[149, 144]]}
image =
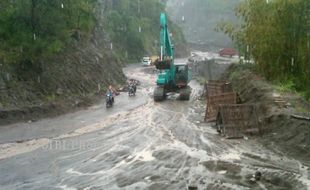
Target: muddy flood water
{"points": [[140, 144]]}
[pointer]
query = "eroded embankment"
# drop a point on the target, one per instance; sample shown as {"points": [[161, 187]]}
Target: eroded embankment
{"points": [[69, 81], [276, 110]]}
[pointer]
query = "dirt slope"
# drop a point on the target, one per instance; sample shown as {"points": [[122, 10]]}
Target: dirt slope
{"points": [[68, 81], [291, 135]]}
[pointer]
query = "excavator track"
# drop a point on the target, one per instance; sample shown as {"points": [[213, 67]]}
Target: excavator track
{"points": [[159, 94], [185, 93]]}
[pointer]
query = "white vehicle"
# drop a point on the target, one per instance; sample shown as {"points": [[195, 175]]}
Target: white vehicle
{"points": [[146, 61]]}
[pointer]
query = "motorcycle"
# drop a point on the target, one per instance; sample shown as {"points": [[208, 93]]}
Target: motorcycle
{"points": [[109, 100], [132, 90]]}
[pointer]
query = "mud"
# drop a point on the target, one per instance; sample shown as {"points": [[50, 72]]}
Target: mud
{"points": [[46, 110], [147, 146], [290, 135]]}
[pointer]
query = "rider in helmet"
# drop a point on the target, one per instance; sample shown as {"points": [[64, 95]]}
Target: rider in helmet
{"points": [[111, 92], [132, 83]]}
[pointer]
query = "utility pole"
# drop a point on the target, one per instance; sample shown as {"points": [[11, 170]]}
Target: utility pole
{"points": [[308, 45], [139, 14]]}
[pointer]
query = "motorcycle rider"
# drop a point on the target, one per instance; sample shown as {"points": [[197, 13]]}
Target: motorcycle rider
{"points": [[134, 85], [110, 92]]}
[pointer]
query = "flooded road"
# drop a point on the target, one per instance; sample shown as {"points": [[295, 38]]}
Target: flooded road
{"points": [[139, 144]]}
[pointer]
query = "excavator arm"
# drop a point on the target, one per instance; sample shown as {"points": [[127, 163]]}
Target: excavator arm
{"points": [[166, 47], [165, 63]]}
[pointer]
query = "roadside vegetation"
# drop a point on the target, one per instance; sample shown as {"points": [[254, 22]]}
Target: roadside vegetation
{"points": [[61, 54], [133, 26], [32, 30], [275, 34]]}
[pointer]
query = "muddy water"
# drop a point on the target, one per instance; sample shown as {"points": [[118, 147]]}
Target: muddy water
{"points": [[152, 146]]}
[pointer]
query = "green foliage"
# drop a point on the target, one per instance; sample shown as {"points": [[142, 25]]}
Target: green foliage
{"points": [[133, 26], [55, 46], [35, 29], [286, 86], [278, 39]]}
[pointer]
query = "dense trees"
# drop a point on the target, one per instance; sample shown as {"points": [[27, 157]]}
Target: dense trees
{"points": [[134, 26], [32, 29], [276, 33], [124, 31]]}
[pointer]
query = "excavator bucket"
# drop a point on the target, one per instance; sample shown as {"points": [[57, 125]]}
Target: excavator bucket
{"points": [[163, 65]]}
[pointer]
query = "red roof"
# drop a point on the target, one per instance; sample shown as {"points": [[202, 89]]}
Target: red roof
{"points": [[228, 51]]}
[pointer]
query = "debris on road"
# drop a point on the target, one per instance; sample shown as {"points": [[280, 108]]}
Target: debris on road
{"points": [[125, 88], [192, 187], [257, 175], [300, 117]]}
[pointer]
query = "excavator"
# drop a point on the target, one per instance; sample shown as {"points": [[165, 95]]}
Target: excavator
{"points": [[172, 77]]}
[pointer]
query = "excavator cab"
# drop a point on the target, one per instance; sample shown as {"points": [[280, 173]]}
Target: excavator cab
{"points": [[181, 75]]}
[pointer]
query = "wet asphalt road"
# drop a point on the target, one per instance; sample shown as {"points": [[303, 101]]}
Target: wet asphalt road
{"points": [[139, 144]]}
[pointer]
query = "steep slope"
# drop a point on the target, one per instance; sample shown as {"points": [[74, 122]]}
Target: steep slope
{"points": [[133, 26], [91, 60], [199, 18], [68, 80]]}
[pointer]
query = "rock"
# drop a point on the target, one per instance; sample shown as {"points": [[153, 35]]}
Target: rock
{"points": [[257, 175], [222, 172], [59, 91], [202, 182], [218, 181], [252, 180], [192, 187]]}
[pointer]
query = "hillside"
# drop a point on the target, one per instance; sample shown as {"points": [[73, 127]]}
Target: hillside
{"points": [[199, 18], [133, 27], [60, 56]]}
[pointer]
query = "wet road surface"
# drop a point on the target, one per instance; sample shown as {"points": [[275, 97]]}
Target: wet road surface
{"points": [[139, 144]]}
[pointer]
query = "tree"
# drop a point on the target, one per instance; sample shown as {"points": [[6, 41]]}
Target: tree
{"points": [[35, 29], [277, 33]]}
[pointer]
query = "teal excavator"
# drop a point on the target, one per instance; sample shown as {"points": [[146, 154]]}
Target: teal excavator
{"points": [[172, 77]]}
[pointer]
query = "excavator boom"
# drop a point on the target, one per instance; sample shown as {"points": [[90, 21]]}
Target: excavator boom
{"points": [[166, 47]]}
